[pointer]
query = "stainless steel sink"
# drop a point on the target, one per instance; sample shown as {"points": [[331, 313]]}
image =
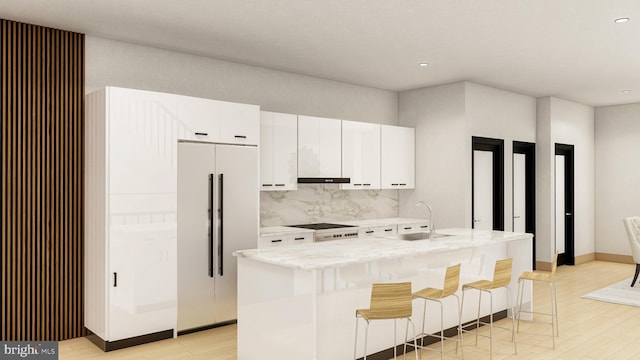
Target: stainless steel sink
{"points": [[417, 236]]}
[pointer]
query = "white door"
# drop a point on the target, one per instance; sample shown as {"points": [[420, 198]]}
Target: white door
{"points": [[519, 193], [196, 162], [560, 204], [482, 190]]}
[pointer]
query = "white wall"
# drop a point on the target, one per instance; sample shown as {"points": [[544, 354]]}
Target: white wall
{"points": [[116, 63], [566, 122], [617, 175], [445, 118], [437, 114], [500, 114]]}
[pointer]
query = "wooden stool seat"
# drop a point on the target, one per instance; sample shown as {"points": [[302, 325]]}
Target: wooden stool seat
{"points": [[389, 301]]}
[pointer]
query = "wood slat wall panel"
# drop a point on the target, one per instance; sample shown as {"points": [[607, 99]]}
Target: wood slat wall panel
{"points": [[42, 98]]}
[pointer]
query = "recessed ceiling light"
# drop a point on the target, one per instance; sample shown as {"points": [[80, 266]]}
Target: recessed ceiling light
{"points": [[423, 64], [626, 91], [621, 20]]}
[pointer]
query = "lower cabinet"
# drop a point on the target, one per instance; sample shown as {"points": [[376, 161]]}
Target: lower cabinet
{"points": [[413, 227], [377, 231], [267, 241]]}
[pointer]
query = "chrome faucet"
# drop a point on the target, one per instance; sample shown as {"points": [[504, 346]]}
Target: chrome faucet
{"points": [[431, 227]]}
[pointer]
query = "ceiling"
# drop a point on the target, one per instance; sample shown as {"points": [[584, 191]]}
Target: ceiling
{"points": [[571, 49]]}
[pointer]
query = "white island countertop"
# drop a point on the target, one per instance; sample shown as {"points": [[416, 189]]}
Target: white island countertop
{"points": [[331, 254]]}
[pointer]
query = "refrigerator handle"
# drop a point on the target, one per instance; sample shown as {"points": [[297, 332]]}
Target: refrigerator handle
{"points": [[211, 223], [220, 223]]}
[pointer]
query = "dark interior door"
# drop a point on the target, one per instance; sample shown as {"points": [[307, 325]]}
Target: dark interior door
{"points": [[565, 225]]}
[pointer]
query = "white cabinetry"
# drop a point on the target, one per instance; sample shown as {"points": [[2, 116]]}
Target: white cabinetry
{"points": [[130, 214], [278, 151], [240, 123], [377, 231], [398, 157], [131, 139], [319, 147], [215, 121], [361, 155], [202, 118], [285, 238], [410, 228]]}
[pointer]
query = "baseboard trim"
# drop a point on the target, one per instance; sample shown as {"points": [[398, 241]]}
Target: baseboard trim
{"points": [[582, 259], [543, 266], [124, 343], [624, 259], [450, 332], [207, 327]]}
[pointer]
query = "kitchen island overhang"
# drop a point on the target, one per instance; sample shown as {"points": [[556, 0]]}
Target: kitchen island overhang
{"points": [[299, 302]]}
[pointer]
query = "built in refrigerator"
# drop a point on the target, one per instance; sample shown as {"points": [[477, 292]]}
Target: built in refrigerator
{"points": [[217, 215]]}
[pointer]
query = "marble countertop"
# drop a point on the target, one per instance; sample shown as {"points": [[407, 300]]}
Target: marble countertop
{"points": [[330, 254], [283, 230]]}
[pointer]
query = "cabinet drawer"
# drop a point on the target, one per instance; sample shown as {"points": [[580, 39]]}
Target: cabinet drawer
{"points": [[297, 239], [272, 240], [413, 228], [377, 231]]}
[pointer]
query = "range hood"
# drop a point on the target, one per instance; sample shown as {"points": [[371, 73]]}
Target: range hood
{"points": [[323, 180]]}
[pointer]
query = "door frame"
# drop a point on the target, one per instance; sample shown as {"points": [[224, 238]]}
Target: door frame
{"points": [[568, 258], [496, 146], [529, 151]]}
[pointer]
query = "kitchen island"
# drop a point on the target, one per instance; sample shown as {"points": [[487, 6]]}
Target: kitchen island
{"points": [[299, 302]]}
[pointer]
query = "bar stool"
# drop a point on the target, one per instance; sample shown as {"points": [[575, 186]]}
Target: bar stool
{"points": [[388, 301], [451, 282], [550, 278], [501, 279]]}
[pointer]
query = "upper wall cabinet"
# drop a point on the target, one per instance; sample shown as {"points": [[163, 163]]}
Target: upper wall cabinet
{"points": [[319, 147], [240, 123], [398, 157], [361, 155], [216, 121], [278, 151], [201, 118]]}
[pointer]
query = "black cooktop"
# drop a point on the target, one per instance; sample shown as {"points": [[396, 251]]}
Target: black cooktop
{"points": [[321, 226]]}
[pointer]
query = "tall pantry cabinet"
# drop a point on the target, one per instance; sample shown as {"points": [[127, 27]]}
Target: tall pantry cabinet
{"points": [[131, 139]]}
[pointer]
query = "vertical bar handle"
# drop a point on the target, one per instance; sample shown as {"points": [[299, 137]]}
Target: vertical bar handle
{"points": [[115, 279], [221, 222], [211, 227]]}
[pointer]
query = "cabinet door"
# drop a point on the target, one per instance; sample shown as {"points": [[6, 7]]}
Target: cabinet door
{"points": [[143, 132], [199, 118], [285, 152], [398, 157], [319, 147], [240, 123], [266, 150], [278, 151], [142, 280], [361, 155]]}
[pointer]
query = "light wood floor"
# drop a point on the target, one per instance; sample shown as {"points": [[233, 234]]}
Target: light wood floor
{"points": [[589, 329]]}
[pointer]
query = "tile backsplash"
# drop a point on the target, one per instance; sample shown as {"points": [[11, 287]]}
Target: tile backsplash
{"points": [[325, 203]]}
